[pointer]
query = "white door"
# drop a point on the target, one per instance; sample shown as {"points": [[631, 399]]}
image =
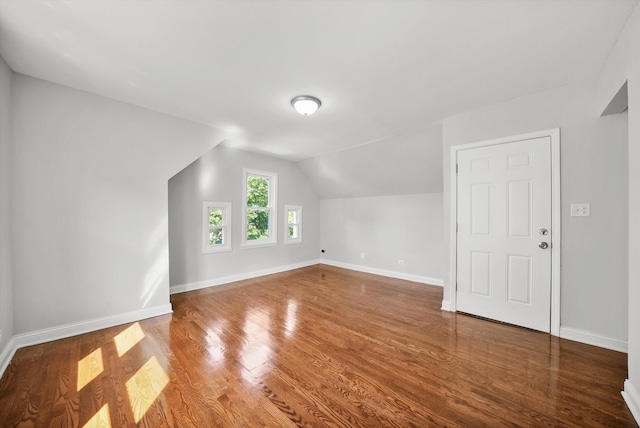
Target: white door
{"points": [[504, 232]]}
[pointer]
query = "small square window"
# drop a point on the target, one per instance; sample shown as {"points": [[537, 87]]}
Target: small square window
{"points": [[216, 227], [293, 224]]}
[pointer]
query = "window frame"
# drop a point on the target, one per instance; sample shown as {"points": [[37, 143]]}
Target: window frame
{"points": [[225, 207], [271, 207], [298, 210]]}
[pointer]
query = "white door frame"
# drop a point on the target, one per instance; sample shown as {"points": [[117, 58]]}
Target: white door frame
{"points": [[554, 134]]}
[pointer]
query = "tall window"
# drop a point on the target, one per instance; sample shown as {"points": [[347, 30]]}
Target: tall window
{"points": [[293, 224], [216, 219], [259, 209]]}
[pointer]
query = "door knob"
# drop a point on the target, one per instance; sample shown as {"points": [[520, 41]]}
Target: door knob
{"points": [[543, 245]]}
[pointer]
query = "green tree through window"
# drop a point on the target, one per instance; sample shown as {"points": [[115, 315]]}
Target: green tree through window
{"points": [[293, 224], [215, 227], [257, 208]]}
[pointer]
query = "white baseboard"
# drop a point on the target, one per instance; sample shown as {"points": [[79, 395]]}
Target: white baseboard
{"points": [[190, 286], [7, 355], [446, 305], [632, 398], [74, 329], [389, 273], [61, 332], [593, 339]]}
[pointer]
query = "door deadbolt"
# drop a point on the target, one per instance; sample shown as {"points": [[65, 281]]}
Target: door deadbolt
{"points": [[543, 245], [543, 231]]}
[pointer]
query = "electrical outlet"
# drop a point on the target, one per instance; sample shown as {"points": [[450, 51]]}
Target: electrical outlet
{"points": [[401, 262], [362, 255], [581, 210]]}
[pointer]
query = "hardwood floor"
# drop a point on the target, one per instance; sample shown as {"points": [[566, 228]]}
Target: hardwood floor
{"points": [[318, 346]]}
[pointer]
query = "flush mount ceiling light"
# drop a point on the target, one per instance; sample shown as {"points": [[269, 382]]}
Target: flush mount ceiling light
{"points": [[306, 104]]}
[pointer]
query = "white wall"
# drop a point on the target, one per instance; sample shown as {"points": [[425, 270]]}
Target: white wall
{"points": [[623, 66], [6, 284], [218, 177], [403, 164], [392, 187], [634, 219], [594, 169], [386, 228], [89, 214], [634, 208]]}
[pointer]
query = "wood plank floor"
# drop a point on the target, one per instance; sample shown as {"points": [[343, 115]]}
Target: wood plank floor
{"points": [[318, 346]]}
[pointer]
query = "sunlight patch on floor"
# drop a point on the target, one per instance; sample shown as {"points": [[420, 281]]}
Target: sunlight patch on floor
{"points": [[128, 338], [89, 368], [145, 387], [100, 419]]}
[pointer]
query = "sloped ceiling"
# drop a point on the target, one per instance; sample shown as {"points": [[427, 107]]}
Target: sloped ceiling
{"points": [[383, 69], [403, 164], [380, 67]]}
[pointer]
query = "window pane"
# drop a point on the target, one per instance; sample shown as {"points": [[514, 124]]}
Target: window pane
{"points": [[257, 224], [293, 216], [293, 231], [257, 191], [215, 217], [215, 236]]}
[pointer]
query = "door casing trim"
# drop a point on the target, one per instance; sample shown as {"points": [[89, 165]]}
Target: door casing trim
{"points": [[556, 240]]}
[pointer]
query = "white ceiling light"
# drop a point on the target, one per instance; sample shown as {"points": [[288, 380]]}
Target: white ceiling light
{"points": [[306, 104]]}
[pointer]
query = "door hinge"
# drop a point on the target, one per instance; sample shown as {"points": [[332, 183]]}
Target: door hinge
{"points": [[456, 168]]}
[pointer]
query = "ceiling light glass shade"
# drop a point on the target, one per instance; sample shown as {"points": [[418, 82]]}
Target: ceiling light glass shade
{"points": [[306, 104]]}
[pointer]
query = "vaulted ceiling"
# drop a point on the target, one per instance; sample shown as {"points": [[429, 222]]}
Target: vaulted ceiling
{"points": [[381, 68]]}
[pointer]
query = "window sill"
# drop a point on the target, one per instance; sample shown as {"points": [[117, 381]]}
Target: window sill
{"points": [[260, 245], [216, 250]]}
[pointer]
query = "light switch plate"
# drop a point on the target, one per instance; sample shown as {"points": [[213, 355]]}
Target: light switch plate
{"points": [[580, 210]]}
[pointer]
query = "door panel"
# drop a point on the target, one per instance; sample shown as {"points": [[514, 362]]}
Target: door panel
{"points": [[519, 279], [504, 199], [481, 209], [480, 273], [519, 208]]}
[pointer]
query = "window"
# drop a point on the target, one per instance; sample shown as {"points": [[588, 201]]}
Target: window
{"points": [[216, 221], [259, 208], [293, 224]]}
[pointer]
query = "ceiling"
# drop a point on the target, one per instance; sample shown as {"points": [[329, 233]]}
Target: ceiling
{"points": [[381, 68]]}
